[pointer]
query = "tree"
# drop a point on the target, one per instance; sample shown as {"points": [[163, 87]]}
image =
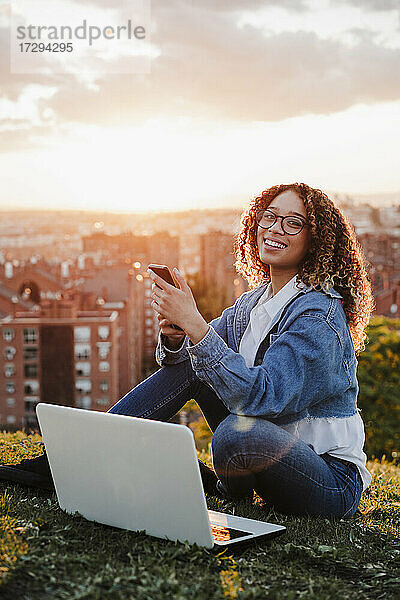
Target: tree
{"points": [[211, 299], [379, 379]]}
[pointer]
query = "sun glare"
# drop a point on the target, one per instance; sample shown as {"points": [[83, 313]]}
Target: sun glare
{"points": [[182, 164]]}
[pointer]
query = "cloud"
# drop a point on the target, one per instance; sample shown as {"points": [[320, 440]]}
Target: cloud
{"points": [[240, 74], [210, 67], [219, 6], [227, 5], [378, 5], [22, 135]]}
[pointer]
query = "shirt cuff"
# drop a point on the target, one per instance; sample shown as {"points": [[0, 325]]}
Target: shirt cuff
{"points": [[163, 340]]}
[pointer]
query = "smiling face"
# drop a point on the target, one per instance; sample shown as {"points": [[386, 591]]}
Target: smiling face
{"points": [[289, 250]]}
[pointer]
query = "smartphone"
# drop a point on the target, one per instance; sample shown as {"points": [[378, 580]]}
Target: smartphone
{"points": [[163, 272]]}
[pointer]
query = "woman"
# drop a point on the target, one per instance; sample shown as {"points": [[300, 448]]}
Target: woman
{"points": [[275, 374]]}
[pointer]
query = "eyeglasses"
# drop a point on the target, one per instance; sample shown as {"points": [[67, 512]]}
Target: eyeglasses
{"points": [[290, 224]]}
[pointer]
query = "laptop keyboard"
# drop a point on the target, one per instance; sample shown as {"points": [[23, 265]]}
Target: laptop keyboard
{"points": [[224, 534]]}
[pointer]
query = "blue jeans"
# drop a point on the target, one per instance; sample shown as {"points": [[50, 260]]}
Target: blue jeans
{"points": [[251, 453]]}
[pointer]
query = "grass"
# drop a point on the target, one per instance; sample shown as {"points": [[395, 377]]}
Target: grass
{"points": [[47, 554]]}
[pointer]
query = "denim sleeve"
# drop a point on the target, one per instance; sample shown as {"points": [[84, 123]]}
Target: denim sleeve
{"points": [[164, 356], [303, 366]]}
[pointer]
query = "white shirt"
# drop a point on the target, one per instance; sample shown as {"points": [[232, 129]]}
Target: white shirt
{"points": [[340, 437], [263, 315]]}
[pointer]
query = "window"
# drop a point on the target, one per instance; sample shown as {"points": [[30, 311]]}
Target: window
{"points": [[9, 370], [103, 332], [9, 352], [82, 369], [82, 351], [35, 399], [30, 353], [31, 388], [149, 321], [10, 387], [30, 421], [149, 331], [83, 386], [104, 385], [10, 401], [102, 401], [30, 335], [103, 349], [84, 402], [30, 404], [8, 334], [82, 334], [104, 365], [147, 292], [30, 370], [10, 419]]}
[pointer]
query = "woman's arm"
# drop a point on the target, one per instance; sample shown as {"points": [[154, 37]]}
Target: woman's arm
{"points": [[167, 356], [303, 366]]}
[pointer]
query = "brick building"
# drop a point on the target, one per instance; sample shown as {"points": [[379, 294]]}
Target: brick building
{"points": [[58, 355], [123, 288], [10, 301], [381, 249], [387, 301], [131, 253], [217, 264], [160, 247], [383, 253], [31, 281]]}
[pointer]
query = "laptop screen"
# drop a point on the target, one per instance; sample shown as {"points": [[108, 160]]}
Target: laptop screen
{"points": [[225, 534]]}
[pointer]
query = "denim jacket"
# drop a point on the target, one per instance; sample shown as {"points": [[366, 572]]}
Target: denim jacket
{"points": [[308, 369]]}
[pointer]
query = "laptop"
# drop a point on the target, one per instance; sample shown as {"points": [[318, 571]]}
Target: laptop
{"points": [[137, 474]]}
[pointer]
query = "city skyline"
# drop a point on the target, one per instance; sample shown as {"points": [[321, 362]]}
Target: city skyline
{"points": [[239, 97], [81, 332], [390, 199]]}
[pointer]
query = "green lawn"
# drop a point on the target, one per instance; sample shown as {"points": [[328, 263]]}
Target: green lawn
{"points": [[46, 554]]}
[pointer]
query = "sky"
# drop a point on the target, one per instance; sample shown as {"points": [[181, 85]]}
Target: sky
{"points": [[231, 97]]}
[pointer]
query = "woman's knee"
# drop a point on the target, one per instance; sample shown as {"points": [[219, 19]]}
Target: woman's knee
{"points": [[248, 440], [237, 431], [232, 436]]}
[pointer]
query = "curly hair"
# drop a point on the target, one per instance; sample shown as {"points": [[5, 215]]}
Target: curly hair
{"points": [[334, 258]]}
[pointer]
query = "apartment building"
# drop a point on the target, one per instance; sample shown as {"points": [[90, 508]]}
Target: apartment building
{"points": [[383, 254], [159, 247], [59, 355], [217, 264]]}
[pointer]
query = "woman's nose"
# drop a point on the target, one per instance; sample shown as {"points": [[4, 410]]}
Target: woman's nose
{"points": [[277, 227]]}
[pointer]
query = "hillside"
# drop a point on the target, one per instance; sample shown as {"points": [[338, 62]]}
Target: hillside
{"points": [[46, 554]]}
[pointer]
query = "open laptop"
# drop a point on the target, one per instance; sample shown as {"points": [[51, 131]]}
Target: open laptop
{"points": [[137, 474]]}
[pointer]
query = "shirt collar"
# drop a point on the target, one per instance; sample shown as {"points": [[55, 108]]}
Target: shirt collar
{"points": [[272, 303]]}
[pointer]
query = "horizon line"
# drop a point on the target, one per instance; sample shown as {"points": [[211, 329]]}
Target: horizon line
{"points": [[356, 197]]}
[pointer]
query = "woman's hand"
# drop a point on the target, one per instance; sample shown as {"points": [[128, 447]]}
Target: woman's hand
{"points": [[178, 306], [174, 336]]}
